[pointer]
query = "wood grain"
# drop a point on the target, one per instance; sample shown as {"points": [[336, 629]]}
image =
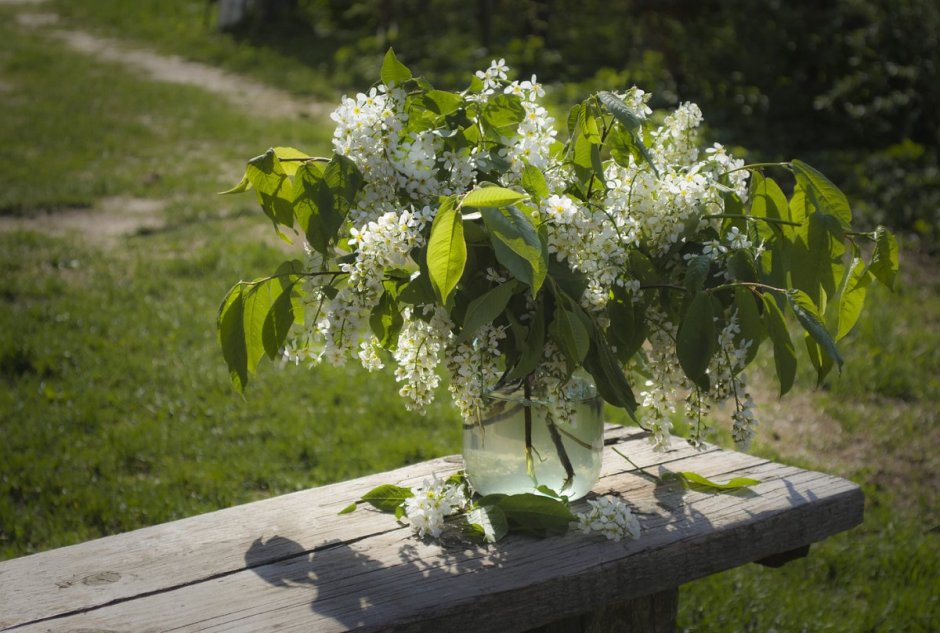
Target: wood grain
{"points": [[291, 563]]}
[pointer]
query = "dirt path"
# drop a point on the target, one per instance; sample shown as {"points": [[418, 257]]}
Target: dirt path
{"points": [[261, 99], [113, 218]]}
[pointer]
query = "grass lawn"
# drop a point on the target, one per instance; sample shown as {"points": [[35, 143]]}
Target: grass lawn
{"points": [[115, 406]]}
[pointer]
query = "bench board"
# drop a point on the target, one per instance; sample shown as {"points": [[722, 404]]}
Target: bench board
{"points": [[292, 563]]}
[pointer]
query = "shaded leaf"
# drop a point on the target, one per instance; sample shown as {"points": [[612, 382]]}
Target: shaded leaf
{"points": [[695, 341], [502, 115], [568, 331], [784, 351], [607, 372], [824, 195], [884, 261], [808, 316], [749, 319], [231, 329], [486, 308], [532, 514], [517, 245]]}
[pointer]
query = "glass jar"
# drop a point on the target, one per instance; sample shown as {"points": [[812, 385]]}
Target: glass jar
{"points": [[566, 442]]}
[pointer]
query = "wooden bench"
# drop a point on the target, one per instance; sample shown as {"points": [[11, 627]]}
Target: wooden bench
{"points": [[291, 563]]}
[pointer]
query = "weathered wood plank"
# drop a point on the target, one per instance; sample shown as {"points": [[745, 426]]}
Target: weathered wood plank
{"points": [[197, 548], [384, 579]]}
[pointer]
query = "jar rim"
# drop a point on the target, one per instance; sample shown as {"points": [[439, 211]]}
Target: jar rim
{"points": [[515, 396]]}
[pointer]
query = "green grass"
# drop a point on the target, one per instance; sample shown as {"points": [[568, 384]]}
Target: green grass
{"points": [[116, 410], [124, 416]]}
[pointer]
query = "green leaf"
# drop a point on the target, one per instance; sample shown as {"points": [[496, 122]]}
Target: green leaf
{"points": [[287, 157], [322, 198], [502, 115], [752, 328], [627, 329], [533, 181], [632, 125], [732, 484], [608, 375], [697, 272], [620, 110], [491, 197], [824, 195], [231, 328], [387, 497], [273, 188], [820, 360], [243, 185], [884, 261], [418, 291], [808, 316], [852, 297], [533, 348], [695, 341], [587, 125], [517, 245], [442, 102], [784, 352], [491, 520], [532, 514], [486, 308], [348, 509], [568, 331], [268, 312], [386, 320], [393, 71], [767, 201], [447, 251], [548, 492]]}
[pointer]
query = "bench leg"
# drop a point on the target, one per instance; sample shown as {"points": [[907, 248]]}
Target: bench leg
{"points": [[655, 613]]}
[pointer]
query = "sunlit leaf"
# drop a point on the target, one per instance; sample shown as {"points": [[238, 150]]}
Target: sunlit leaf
{"points": [[387, 497], [447, 251], [393, 71], [492, 197]]}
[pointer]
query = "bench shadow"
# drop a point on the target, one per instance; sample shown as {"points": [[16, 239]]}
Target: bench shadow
{"points": [[336, 571]]}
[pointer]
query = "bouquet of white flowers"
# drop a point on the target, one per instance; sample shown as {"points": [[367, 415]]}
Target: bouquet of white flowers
{"points": [[463, 230]]}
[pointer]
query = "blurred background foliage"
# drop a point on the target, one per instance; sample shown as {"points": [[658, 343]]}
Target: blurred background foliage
{"points": [[851, 86]]}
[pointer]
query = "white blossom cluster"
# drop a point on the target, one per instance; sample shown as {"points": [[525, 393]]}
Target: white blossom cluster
{"points": [[474, 367], [666, 383], [385, 243], [537, 131], [418, 354], [650, 205], [431, 503], [609, 516], [589, 240]]}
